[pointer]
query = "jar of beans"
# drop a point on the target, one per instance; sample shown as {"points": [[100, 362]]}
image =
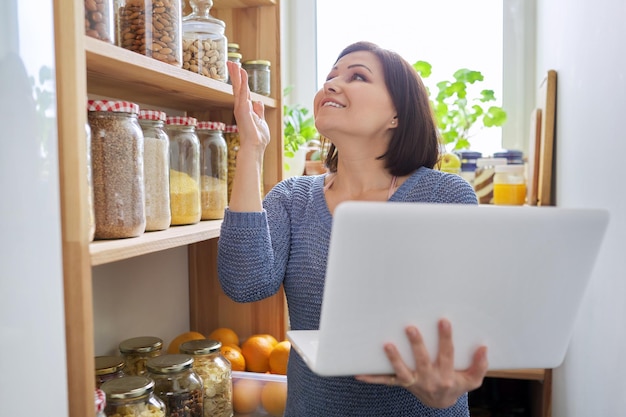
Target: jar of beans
{"points": [[137, 350], [156, 166], [177, 384], [213, 170], [107, 368], [184, 170], [100, 20], [204, 42], [132, 396], [117, 169], [152, 28]]}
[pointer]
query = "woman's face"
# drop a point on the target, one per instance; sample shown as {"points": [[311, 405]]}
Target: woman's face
{"points": [[355, 100]]}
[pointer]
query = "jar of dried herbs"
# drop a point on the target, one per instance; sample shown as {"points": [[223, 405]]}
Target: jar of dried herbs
{"points": [[107, 368], [177, 384], [132, 396], [184, 170], [213, 169], [137, 350], [117, 169], [156, 165], [258, 76], [216, 374]]}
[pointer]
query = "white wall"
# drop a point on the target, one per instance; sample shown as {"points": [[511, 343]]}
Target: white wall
{"points": [[584, 42]]}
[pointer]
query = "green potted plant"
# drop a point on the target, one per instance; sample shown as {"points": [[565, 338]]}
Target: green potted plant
{"points": [[298, 131]]}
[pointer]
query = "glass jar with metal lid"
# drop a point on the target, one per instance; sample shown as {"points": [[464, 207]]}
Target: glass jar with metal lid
{"points": [[233, 47], [213, 169], [216, 374], [107, 368], [177, 384], [100, 20], [117, 169], [258, 76], [136, 352], [132, 396], [184, 170], [156, 163], [204, 42], [100, 402]]}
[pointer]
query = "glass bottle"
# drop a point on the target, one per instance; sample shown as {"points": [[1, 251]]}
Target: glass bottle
{"points": [[204, 42], [184, 170], [132, 396], [177, 384], [137, 350], [100, 20], [117, 169], [258, 76], [509, 185], [156, 169], [152, 28], [216, 374], [213, 169], [107, 368]]}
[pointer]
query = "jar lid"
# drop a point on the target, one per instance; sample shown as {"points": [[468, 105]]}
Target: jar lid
{"points": [[469, 154], [113, 106], [236, 55], [182, 121], [152, 115], [141, 344], [231, 129], [482, 162], [200, 346], [511, 168], [171, 363], [233, 45], [108, 364], [100, 400], [127, 387], [211, 125], [257, 62]]}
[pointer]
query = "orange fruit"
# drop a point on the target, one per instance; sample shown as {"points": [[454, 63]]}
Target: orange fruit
{"points": [[246, 395], [279, 357], [174, 345], [236, 347], [235, 357], [256, 350], [225, 335], [274, 398], [267, 336]]}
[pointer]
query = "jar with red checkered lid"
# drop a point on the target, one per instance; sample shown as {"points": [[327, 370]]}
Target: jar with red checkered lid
{"points": [[117, 169], [184, 170], [100, 402], [213, 169]]}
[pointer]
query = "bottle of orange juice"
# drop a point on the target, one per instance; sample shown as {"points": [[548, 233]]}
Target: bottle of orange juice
{"points": [[509, 185]]}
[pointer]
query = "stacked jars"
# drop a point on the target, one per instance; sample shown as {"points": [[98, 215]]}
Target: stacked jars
{"points": [[132, 396], [177, 384], [100, 20], [137, 350], [213, 169]]}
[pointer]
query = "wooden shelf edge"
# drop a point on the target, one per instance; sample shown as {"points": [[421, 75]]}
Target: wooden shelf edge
{"points": [[107, 251], [528, 374]]}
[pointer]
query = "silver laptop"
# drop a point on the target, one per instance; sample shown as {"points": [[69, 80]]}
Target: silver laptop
{"points": [[509, 277]]}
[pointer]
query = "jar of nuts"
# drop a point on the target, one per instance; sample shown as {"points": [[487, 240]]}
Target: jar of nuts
{"points": [[151, 28], [100, 20], [177, 384], [213, 169], [132, 396], [137, 350], [204, 42]]}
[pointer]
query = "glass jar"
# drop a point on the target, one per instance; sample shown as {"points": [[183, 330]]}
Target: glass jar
{"points": [[213, 169], [100, 402], [177, 384], [92, 213], [132, 396], [233, 47], [468, 164], [216, 374], [156, 165], [100, 20], [234, 57], [483, 179], [184, 170], [137, 350], [509, 185], [152, 28], [107, 368], [231, 134], [513, 157], [117, 169], [204, 42], [258, 76]]}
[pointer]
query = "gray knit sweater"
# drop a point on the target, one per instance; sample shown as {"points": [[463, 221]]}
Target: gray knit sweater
{"points": [[287, 244]]}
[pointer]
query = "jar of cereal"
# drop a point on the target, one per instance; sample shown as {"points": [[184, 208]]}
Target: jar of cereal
{"points": [[132, 396], [177, 384], [213, 169], [107, 368], [137, 350]]}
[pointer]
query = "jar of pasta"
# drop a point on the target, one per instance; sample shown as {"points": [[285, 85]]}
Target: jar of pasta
{"points": [[184, 170], [107, 368], [213, 169], [137, 350], [132, 396], [216, 374], [258, 76], [100, 20], [177, 384]]}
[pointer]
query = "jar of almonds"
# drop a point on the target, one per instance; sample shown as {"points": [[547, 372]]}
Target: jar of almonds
{"points": [[100, 20]]}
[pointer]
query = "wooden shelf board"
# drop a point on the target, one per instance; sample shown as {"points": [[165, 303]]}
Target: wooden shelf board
{"points": [[529, 374], [236, 4], [107, 251]]}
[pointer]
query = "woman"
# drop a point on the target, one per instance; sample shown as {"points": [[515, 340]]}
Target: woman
{"points": [[375, 111]]}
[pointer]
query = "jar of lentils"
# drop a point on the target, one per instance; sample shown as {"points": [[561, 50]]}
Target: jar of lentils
{"points": [[137, 350], [213, 169], [258, 76], [216, 374], [100, 20], [184, 170], [177, 384], [132, 396], [107, 368], [152, 28], [117, 169], [156, 165], [204, 42]]}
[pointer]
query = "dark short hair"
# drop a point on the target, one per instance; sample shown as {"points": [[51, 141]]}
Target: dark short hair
{"points": [[415, 141]]}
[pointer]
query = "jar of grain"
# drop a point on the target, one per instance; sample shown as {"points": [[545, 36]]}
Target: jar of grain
{"points": [[152, 28], [213, 169], [204, 42], [107, 368], [156, 164], [137, 350], [177, 384], [100, 20], [117, 169], [258, 76], [184, 170], [216, 374], [132, 396]]}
